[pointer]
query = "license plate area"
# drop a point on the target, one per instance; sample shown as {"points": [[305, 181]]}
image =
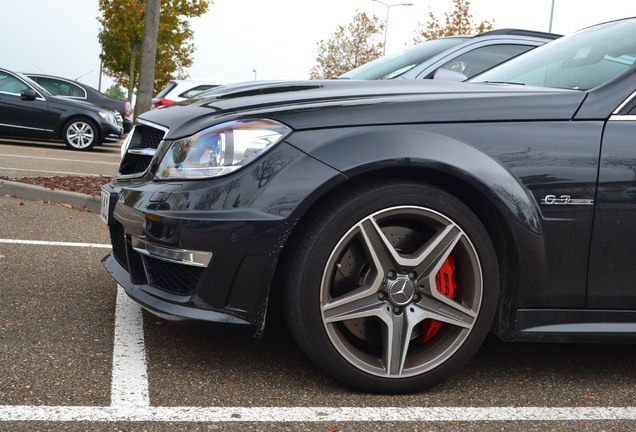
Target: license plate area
{"points": [[105, 206]]}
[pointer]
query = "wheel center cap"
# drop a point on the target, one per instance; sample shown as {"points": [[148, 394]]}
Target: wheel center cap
{"points": [[401, 291]]}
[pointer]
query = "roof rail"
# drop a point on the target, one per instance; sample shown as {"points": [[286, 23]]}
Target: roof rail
{"points": [[520, 32]]}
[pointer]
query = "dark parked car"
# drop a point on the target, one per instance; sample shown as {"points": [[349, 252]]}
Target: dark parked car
{"points": [[454, 58], [76, 90], [29, 111], [398, 221]]}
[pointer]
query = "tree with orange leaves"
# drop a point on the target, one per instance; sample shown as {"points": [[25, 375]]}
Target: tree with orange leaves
{"points": [[121, 36], [349, 47], [457, 22]]}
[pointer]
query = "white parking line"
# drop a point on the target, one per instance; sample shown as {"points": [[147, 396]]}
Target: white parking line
{"points": [[130, 400], [50, 172], [310, 414], [55, 243], [57, 159], [129, 386]]}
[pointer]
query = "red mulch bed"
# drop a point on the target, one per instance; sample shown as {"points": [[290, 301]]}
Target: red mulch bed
{"points": [[90, 185]]}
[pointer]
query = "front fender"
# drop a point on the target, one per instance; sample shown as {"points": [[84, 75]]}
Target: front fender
{"points": [[356, 151]]}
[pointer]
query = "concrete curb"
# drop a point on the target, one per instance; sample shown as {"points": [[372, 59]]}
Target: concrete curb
{"points": [[34, 193]]}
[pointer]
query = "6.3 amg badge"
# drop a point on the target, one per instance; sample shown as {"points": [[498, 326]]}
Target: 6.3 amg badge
{"points": [[565, 200]]}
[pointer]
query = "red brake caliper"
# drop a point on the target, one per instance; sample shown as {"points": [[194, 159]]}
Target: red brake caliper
{"points": [[445, 283]]}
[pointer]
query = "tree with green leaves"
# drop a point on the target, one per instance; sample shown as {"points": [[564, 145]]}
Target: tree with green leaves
{"points": [[349, 47], [121, 38], [457, 22], [115, 92]]}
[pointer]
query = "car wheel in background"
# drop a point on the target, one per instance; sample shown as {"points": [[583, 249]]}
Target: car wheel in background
{"points": [[80, 134], [391, 287]]}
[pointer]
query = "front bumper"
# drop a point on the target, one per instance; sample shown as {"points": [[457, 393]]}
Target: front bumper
{"points": [[183, 268], [111, 132], [208, 250], [156, 302]]}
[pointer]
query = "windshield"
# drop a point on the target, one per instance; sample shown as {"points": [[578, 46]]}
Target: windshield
{"points": [[394, 65], [581, 61], [166, 90]]}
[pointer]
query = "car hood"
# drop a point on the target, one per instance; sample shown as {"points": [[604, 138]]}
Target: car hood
{"points": [[319, 104]]}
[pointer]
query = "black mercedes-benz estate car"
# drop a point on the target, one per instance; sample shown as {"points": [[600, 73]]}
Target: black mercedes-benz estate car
{"points": [[399, 222]]}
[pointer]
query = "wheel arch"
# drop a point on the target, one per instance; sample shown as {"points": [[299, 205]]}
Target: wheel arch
{"points": [[491, 192], [486, 210]]}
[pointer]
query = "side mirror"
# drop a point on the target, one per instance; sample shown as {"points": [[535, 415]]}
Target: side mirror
{"points": [[448, 75], [28, 94]]}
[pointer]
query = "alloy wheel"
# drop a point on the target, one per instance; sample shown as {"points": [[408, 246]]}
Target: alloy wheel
{"points": [[80, 135], [379, 292]]}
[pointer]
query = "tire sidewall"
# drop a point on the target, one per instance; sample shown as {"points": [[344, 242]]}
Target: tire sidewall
{"points": [[315, 247]]}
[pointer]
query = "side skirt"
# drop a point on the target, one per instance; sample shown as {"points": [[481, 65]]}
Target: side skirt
{"points": [[573, 325]]}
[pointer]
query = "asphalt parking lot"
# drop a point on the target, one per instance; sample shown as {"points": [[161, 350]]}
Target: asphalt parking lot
{"points": [[35, 159], [77, 355]]}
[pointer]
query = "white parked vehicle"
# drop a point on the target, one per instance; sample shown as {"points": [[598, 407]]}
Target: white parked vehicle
{"points": [[178, 90]]}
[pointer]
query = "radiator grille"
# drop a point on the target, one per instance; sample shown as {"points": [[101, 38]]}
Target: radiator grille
{"points": [[140, 152]]}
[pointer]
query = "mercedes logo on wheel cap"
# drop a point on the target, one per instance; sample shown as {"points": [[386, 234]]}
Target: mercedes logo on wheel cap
{"points": [[401, 291]]}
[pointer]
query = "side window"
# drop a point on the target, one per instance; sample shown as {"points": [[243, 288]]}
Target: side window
{"points": [[61, 88], [76, 91], [48, 85], [478, 60], [10, 84]]}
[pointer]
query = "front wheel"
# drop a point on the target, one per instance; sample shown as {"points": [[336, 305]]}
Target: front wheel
{"points": [[80, 134], [392, 287]]}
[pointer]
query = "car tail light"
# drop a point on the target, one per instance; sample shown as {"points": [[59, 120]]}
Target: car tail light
{"points": [[161, 102]]}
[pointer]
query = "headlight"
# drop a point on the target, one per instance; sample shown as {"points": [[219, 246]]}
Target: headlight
{"points": [[108, 117], [220, 149]]}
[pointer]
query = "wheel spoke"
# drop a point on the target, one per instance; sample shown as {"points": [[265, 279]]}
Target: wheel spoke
{"points": [[380, 250], [358, 304], [440, 308], [397, 335], [431, 257], [428, 260]]}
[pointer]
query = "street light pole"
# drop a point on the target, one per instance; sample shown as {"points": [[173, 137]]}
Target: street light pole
{"points": [[551, 17], [386, 22]]}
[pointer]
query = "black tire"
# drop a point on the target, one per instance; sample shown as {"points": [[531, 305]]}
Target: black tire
{"points": [[360, 288], [80, 134]]}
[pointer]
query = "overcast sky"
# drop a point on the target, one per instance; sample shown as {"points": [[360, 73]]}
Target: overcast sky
{"points": [[276, 38]]}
